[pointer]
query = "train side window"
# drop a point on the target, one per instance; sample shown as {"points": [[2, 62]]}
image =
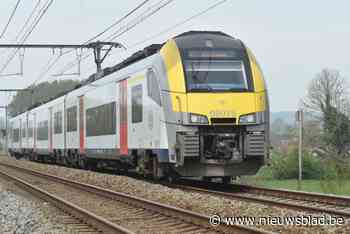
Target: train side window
{"points": [[136, 104], [16, 135], [46, 130], [101, 120], [30, 129], [43, 130], [58, 122], [39, 130], [72, 119], [153, 86], [23, 134]]}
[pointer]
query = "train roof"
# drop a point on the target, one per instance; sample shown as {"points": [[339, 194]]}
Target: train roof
{"points": [[137, 56], [205, 39], [191, 33]]}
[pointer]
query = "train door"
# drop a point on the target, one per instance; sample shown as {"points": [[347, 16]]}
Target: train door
{"points": [[152, 109], [50, 130], [81, 125], [20, 134], [117, 119], [27, 130], [34, 132], [123, 118], [138, 133]]}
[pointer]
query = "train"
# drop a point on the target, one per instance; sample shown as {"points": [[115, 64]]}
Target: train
{"points": [[195, 106]]}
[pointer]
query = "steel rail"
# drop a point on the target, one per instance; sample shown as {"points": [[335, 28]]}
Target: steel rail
{"points": [[179, 213], [291, 198], [98, 222], [309, 196]]}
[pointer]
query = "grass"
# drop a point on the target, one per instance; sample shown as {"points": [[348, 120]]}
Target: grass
{"points": [[321, 176], [329, 186]]}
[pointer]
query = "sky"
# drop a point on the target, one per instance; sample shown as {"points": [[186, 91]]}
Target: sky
{"points": [[292, 40]]}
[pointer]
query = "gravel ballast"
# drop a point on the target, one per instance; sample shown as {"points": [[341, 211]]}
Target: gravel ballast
{"points": [[22, 215], [197, 202]]}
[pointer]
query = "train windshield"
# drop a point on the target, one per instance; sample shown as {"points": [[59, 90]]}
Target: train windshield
{"points": [[215, 75]]}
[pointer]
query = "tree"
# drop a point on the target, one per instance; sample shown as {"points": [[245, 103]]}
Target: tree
{"points": [[312, 132], [281, 133], [327, 98], [41, 93]]}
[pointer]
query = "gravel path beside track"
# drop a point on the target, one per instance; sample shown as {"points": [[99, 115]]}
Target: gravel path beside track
{"points": [[201, 203], [21, 214]]}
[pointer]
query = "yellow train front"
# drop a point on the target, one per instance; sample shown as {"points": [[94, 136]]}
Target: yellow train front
{"points": [[216, 106]]}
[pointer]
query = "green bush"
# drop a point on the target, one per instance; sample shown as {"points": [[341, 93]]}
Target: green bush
{"points": [[287, 167], [332, 174], [334, 179]]}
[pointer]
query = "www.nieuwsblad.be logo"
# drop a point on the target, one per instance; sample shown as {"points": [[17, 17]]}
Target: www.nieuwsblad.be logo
{"points": [[300, 220]]}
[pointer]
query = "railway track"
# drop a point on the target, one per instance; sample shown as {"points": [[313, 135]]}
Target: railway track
{"points": [[113, 212], [304, 201], [79, 220]]}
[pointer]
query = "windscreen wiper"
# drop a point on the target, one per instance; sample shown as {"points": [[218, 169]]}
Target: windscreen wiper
{"points": [[238, 89], [201, 89]]}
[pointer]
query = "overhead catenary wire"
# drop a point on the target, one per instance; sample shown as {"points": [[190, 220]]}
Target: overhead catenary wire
{"points": [[47, 67], [112, 25], [145, 15], [117, 22], [28, 19], [85, 56], [182, 22], [35, 23], [25, 36], [37, 20], [122, 30], [10, 19]]}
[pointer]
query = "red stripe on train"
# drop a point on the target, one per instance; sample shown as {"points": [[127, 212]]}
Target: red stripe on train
{"points": [[81, 125], [34, 132], [50, 131], [123, 118]]}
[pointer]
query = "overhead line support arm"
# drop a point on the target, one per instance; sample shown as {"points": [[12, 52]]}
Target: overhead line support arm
{"points": [[96, 46]]}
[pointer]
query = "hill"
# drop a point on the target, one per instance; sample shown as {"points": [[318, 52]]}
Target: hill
{"points": [[287, 116]]}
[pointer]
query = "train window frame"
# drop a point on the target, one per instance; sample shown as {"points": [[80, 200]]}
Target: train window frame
{"points": [[43, 130], [207, 67], [242, 55], [15, 135], [72, 119], [23, 131], [30, 129], [105, 116], [153, 89], [137, 103], [58, 126]]}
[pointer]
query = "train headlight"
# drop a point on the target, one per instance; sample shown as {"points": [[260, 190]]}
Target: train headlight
{"points": [[247, 119], [198, 119]]}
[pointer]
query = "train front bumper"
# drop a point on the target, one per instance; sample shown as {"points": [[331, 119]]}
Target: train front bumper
{"points": [[221, 150]]}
